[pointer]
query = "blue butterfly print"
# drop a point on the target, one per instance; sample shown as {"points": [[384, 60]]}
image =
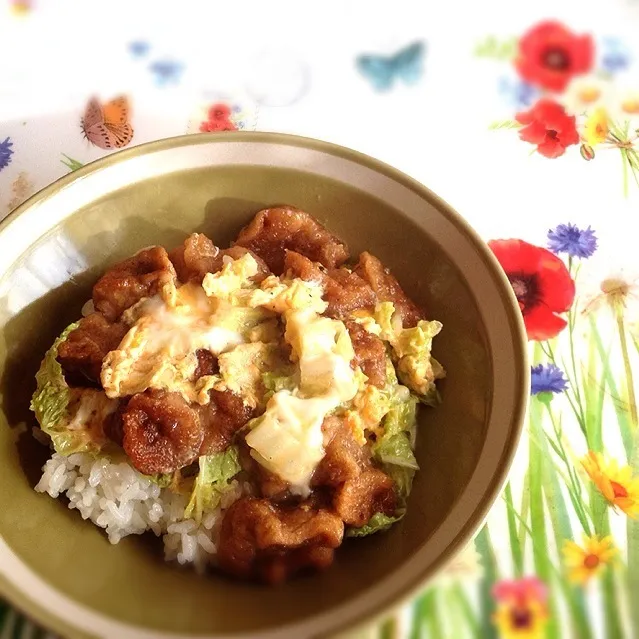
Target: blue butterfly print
{"points": [[517, 93], [139, 48], [616, 56], [382, 71], [166, 72]]}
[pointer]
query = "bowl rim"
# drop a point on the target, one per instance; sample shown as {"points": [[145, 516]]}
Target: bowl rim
{"points": [[476, 519]]}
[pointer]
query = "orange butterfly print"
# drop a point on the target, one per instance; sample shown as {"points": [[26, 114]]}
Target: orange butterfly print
{"points": [[107, 125]]}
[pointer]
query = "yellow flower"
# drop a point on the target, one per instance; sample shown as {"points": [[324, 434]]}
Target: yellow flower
{"points": [[596, 127], [615, 483], [521, 610], [20, 7], [587, 561]]}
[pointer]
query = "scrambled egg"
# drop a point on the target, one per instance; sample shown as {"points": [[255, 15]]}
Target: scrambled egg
{"points": [[288, 440], [159, 349], [416, 368], [242, 368], [241, 323]]}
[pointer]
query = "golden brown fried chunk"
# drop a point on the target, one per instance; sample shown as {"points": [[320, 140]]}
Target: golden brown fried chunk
{"points": [[260, 539], [126, 283], [199, 256], [221, 418], [206, 363], [344, 291], [161, 432], [388, 289], [272, 231], [359, 490], [370, 353], [268, 484], [82, 353]]}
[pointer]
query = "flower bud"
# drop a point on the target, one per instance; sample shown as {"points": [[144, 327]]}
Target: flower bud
{"points": [[587, 152]]}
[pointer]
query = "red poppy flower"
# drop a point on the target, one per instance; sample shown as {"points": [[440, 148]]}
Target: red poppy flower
{"points": [[549, 127], [219, 112], [217, 125], [550, 55], [219, 119], [541, 282]]}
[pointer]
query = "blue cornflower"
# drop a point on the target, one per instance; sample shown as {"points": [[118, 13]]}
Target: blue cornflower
{"points": [[518, 94], [567, 238], [547, 379], [5, 153]]}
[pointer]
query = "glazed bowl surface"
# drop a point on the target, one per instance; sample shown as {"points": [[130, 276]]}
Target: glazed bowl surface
{"points": [[62, 570]]}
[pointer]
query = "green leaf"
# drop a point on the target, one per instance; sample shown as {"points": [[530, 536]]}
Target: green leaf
{"points": [[537, 514], [504, 124], [394, 450], [162, 481], [50, 400], [379, 522], [496, 49], [515, 546], [459, 597], [491, 575], [623, 418], [562, 529], [216, 471], [55, 405], [632, 531], [72, 164]]}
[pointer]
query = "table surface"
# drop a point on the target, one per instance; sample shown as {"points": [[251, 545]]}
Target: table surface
{"points": [[559, 554]]}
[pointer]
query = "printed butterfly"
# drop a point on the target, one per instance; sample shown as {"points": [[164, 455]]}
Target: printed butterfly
{"points": [[381, 71], [166, 72], [139, 48], [107, 126]]}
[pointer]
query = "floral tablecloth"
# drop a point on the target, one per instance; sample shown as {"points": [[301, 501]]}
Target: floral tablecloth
{"points": [[524, 116]]}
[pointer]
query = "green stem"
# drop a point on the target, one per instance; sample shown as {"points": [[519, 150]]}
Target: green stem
{"points": [[630, 385], [632, 533], [573, 485], [460, 598], [543, 566], [624, 162], [525, 509], [487, 603], [619, 404], [515, 548]]}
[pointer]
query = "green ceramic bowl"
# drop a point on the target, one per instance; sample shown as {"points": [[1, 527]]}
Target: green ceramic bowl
{"points": [[62, 570]]}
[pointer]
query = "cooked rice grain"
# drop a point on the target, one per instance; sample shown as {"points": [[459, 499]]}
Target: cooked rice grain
{"points": [[123, 502]]}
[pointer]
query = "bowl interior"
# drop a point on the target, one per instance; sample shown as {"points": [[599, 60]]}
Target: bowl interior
{"points": [[43, 290]]}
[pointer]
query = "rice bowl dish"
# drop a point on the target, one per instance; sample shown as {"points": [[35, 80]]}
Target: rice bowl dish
{"points": [[253, 406]]}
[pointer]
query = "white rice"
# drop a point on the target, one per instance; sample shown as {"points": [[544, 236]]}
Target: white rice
{"points": [[123, 502]]}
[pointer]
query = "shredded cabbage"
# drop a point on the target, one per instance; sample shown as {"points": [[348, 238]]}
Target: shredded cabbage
{"points": [[379, 522], [71, 417], [216, 471]]}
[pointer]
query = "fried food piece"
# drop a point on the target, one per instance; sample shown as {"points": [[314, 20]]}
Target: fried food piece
{"points": [[161, 432], [370, 353], [274, 230], [344, 291], [82, 353], [359, 490], [273, 542], [198, 256], [221, 418], [126, 283], [206, 363], [388, 289]]}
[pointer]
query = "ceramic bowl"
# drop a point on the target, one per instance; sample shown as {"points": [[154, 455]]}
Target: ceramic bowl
{"points": [[61, 570]]}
